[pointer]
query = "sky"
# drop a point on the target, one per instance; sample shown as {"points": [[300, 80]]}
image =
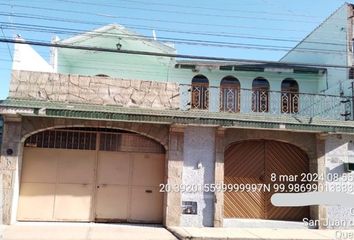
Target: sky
{"points": [[243, 29]]}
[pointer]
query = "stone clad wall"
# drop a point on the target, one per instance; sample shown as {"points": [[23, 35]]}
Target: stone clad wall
{"points": [[93, 90], [199, 171], [9, 168]]}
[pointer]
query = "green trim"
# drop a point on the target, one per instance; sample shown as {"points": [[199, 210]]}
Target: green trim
{"points": [[170, 116]]}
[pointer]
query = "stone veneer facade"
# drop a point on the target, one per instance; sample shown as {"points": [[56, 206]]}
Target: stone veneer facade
{"points": [[93, 90]]}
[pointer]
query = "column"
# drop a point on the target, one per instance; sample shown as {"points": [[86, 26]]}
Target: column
{"points": [[275, 99], [321, 169], [246, 100], [198, 174], [219, 177], [173, 202], [214, 99], [11, 155], [184, 97]]}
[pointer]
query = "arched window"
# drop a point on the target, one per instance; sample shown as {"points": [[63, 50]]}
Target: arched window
{"points": [[230, 94], [200, 92], [289, 96], [260, 95]]}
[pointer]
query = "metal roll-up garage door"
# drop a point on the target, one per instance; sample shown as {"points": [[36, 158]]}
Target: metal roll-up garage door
{"points": [[72, 175]]}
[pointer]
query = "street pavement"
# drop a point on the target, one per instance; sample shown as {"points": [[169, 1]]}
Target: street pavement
{"points": [[97, 231], [260, 233], [84, 231]]}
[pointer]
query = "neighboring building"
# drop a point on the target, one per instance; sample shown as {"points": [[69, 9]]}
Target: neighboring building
{"points": [[93, 135]]}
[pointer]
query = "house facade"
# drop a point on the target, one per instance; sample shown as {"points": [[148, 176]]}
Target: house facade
{"points": [[98, 136]]}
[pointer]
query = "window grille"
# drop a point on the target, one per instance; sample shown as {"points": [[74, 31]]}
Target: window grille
{"points": [[260, 95], [128, 142], [200, 92], [230, 94], [110, 142], [63, 139], [289, 96], [86, 140]]}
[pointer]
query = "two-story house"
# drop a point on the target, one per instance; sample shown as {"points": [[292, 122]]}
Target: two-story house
{"points": [[125, 136]]}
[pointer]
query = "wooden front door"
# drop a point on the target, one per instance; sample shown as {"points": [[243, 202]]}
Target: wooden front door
{"points": [[253, 162]]}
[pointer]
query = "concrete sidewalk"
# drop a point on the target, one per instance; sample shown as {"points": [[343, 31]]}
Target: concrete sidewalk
{"points": [[96, 231], [260, 233], [83, 231]]}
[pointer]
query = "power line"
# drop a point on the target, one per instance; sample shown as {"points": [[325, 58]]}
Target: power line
{"points": [[7, 44], [202, 33], [49, 18], [92, 13], [89, 13], [186, 13], [101, 69], [224, 9], [182, 56], [212, 9], [33, 16], [198, 41], [251, 46], [92, 67], [138, 36], [233, 45]]}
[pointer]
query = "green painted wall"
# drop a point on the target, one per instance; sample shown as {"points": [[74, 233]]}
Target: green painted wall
{"points": [[327, 44], [160, 69], [116, 64], [307, 82]]}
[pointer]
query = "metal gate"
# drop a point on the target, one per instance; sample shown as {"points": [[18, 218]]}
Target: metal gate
{"points": [[73, 175], [253, 162]]}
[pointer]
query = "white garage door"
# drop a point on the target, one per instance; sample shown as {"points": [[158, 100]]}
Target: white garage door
{"points": [[89, 176]]}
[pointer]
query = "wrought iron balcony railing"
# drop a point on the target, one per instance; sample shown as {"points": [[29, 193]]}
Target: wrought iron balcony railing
{"points": [[262, 101]]}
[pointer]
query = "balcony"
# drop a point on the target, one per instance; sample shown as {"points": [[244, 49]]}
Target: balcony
{"points": [[264, 102], [172, 100]]}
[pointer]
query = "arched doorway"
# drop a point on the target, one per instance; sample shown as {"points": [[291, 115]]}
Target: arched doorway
{"points": [[89, 174], [289, 96], [260, 95], [200, 92], [230, 94], [252, 162]]}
